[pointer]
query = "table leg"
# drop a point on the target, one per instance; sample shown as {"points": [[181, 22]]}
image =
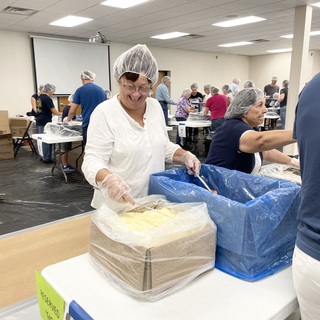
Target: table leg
{"points": [[82, 150], [57, 154]]}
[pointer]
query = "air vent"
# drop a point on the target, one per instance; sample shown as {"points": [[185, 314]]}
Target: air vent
{"points": [[193, 36], [259, 40], [20, 11]]}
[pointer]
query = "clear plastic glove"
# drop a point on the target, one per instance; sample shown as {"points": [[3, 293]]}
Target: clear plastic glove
{"points": [[113, 187], [295, 163], [191, 162], [65, 120]]}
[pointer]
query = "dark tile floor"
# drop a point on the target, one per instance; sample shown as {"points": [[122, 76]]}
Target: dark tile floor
{"points": [[30, 195]]}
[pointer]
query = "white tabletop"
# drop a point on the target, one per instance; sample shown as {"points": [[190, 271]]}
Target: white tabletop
{"points": [[271, 115], [192, 124], [52, 139], [213, 295]]}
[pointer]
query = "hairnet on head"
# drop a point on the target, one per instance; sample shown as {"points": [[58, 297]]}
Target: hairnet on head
{"points": [[137, 60], [186, 92], [87, 75], [48, 87], [214, 90], [242, 102]]}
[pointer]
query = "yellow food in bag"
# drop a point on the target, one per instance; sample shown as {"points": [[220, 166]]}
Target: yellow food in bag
{"points": [[148, 219]]}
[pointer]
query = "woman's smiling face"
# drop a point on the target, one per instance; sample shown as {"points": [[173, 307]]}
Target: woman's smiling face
{"points": [[134, 94], [255, 115]]}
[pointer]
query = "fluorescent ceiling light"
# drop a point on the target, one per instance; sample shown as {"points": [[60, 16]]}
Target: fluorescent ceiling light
{"points": [[316, 4], [238, 22], [123, 4], [170, 35], [235, 44], [312, 33], [287, 36], [280, 50], [70, 21]]}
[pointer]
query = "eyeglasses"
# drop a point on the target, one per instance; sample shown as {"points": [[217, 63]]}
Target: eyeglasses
{"points": [[133, 89]]}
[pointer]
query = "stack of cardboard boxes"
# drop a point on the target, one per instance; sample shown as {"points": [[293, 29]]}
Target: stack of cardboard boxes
{"points": [[6, 145], [18, 126]]}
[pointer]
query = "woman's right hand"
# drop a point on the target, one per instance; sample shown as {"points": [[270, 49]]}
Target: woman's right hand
{"points": [[114, 188]]}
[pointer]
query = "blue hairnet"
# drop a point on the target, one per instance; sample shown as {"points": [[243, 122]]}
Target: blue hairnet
{"points": [[242, 102]]}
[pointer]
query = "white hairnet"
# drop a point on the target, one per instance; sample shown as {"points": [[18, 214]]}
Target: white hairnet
{"points": [[214, 90], [242, 102], [108, 93], [87, 75], [48, 87], [137, 60]]}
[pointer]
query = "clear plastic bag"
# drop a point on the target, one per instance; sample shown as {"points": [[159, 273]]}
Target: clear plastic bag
{"points": [[151, 263], [70, 129], [279, 171]]}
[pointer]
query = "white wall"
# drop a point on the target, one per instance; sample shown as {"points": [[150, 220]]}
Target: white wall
{"points": [[264, 67], [186, 67], [17, 81]]}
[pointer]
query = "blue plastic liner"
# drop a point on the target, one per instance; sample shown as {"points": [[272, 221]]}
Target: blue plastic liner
{"points": [[255, 216]]}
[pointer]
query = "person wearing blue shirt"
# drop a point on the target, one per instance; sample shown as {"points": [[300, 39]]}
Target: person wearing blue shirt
{"points": [[306, 257], [162, 95], [89, 95]]}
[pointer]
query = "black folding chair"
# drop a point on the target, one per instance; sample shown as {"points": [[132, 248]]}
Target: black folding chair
{"points": [[18, 141]]}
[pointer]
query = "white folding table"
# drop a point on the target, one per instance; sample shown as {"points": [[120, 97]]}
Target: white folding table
{"points": [[57, 142], [213, 295], [200, 124]]}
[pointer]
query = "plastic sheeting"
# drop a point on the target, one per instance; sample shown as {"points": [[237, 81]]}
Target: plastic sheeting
{"points": [[31, 196], [70, 129], [280, 171], [255, 216], [151, 263]]}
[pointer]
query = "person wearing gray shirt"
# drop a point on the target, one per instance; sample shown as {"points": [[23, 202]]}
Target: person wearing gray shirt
{"points": [[162, 95]]}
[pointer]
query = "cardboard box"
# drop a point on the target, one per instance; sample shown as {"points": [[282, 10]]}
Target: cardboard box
{"points": [[255, 216], [6, 147], [149, 272], [4, 122], [18, 126]]}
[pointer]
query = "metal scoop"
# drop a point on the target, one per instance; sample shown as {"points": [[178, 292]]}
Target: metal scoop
{"points": [[203, 182], [152, 209], [145, 206]]}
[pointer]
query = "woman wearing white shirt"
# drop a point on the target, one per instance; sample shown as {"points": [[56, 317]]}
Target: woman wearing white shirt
{"points": [[127, 137]]}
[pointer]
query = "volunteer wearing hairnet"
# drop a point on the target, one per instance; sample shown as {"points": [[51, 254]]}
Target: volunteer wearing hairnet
{"points": [[45, 110], [237, 143], [89, 95], [127, 137]]}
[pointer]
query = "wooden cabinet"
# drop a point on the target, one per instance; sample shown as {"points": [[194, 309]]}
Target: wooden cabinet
{"points": [[63, 101]]}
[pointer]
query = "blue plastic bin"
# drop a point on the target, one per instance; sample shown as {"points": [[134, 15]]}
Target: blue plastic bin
{"points": [[255, 216]]}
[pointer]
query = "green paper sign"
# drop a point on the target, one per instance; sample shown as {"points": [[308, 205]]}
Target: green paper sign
{"points": [[50, 302]]}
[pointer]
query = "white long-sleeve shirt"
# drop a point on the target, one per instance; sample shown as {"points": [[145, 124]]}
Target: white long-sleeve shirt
{"points": [[118, 143]]}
